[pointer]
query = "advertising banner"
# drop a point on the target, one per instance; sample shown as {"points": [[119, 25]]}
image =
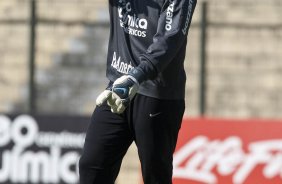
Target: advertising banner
{"points": [[215, 151], [40, 149], [46, 149]]}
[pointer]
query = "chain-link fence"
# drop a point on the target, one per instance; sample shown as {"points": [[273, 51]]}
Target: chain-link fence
{"points": [[70, 51], [243, 57]]}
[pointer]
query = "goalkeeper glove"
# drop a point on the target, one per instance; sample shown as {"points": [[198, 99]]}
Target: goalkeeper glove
{"points": [[122, 91], [120, 94], [104, 96]]}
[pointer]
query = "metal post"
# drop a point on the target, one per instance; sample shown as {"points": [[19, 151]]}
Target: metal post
{"points": [[32, 37], [203, 59]]}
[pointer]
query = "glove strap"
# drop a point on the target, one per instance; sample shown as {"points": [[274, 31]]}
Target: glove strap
{"points": [[138, 75], [134, 79]]}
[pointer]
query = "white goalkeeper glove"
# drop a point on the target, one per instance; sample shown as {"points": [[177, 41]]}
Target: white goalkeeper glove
{"points": [[120, 95], [104, 96], [123, 91]]}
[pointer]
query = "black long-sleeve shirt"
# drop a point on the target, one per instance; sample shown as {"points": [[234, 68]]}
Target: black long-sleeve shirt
{"points": [[150, 36]]}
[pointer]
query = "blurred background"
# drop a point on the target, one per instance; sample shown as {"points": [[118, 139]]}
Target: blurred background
{"points": [[53, 58]]}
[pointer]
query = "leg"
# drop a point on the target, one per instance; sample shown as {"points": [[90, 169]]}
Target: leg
{"points": [[107, 140], [156, 127]]}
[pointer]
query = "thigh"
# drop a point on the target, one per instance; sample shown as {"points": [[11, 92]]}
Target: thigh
{"points": [[156, 125], [107, 139]]}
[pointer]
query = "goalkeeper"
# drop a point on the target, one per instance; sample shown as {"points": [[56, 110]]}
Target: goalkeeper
{"points": [[144, 100]]}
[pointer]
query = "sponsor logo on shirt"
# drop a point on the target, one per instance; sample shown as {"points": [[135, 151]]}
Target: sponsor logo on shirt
{"points": [[121, 66], [188, 18], [169, 15], [130, 22]]}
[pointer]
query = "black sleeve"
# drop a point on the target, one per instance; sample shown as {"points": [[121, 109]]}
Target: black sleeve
{"points": [[173, 26]]}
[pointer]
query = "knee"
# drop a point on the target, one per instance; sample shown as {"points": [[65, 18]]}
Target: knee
{"points": [[89, 163], [82, 164], [87, 171]]}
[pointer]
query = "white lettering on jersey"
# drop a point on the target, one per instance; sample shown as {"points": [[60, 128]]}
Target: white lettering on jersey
{"points": [[169, 15], [121, 66], [130, 22]]}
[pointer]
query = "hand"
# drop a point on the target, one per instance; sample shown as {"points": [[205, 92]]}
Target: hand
{"points": [[104, 96], [120, 95], [123, 90]]}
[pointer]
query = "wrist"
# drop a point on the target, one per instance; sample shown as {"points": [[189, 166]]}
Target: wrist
{"points": [[137, 75], [133, 79]]}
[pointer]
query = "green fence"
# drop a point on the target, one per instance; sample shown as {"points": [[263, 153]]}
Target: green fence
{"points": [[233, 57]]}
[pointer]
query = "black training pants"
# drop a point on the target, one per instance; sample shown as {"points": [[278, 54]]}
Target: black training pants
{"points": [[152, 123]]}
